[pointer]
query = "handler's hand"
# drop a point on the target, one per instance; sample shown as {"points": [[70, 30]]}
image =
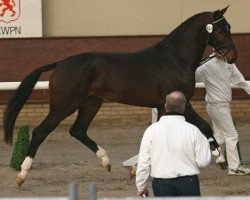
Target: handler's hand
{"points": [[143, 193]]}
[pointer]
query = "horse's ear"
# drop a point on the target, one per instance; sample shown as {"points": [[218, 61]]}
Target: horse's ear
{"points": [[219, 13], [224, 10]]}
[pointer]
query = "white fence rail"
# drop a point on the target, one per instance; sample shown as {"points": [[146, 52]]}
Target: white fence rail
{"points": [[42, 85]]}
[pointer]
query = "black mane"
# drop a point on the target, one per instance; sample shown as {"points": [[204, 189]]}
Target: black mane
{"points": [[182, 27]]}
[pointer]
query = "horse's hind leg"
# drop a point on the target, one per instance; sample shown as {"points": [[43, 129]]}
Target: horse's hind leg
{"points": [[86, 113], [38, 136]]}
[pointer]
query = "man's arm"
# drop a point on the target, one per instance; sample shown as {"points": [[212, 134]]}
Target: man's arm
{"points": [[202, 151], [143, 166], [199, 74], [237, 79]]}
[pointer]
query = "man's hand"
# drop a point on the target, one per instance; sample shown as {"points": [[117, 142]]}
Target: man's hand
{"points": [[143, 193]]}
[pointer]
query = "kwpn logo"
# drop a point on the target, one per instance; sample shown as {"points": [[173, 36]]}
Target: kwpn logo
{"points": [[10, 10]]}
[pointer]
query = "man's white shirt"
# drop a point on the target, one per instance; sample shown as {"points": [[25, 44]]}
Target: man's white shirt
{"points": [[219, 87], [171, 148]]}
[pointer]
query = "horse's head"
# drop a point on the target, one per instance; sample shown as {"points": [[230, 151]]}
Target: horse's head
{"points": [[220, 36]]}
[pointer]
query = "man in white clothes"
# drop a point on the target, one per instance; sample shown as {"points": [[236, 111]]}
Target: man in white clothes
{"points": [[171, 151], [218, 77]]}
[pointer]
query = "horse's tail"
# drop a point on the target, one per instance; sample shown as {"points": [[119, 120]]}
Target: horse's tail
{"points": [[18, 100]]}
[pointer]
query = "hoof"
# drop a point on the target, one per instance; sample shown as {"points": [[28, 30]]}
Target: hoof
{"points": [[222, 165], [107, 168], [19, 180], [216, 153], [132, 172]]}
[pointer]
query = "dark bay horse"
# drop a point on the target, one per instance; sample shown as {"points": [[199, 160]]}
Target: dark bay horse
{"points": [[143, 78]]}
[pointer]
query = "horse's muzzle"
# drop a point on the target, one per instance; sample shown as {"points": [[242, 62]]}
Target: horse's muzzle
{"points": [[231, 55]]}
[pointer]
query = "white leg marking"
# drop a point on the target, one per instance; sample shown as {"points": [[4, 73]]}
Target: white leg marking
{"points": [[215, 152], [25, 167], [220, 158], [101, 153]]}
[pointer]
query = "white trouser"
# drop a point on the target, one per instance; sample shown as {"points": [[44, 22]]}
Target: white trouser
{"points": [[225, 131]]}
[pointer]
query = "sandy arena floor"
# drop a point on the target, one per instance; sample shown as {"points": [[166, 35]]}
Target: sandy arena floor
{"points": [[62, 159]]}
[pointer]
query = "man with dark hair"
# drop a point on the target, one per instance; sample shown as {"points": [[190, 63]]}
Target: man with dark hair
{"points": [[171, 151]]}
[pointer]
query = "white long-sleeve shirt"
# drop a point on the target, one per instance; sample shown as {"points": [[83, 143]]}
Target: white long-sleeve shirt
{"points": [[171, 148], [218, 76]]}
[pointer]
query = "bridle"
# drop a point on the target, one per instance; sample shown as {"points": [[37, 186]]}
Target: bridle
{"points": [[218, 48]]}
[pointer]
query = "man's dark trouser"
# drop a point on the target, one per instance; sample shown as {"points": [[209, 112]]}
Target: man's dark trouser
{"points": [[180, 186]]}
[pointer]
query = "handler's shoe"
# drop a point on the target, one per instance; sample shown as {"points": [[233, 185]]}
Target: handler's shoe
{"points": [[241, 171]]}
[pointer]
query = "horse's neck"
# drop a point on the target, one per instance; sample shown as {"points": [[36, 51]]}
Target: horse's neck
{"points": [[188, 44]]}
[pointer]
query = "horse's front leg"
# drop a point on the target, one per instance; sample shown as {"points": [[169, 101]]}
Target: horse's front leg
{"points": [[86, 113], [99, 151], [193, 118], [102, 154]]}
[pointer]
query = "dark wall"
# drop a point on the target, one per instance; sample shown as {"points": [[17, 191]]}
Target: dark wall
{"points": [[18, 57]]}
